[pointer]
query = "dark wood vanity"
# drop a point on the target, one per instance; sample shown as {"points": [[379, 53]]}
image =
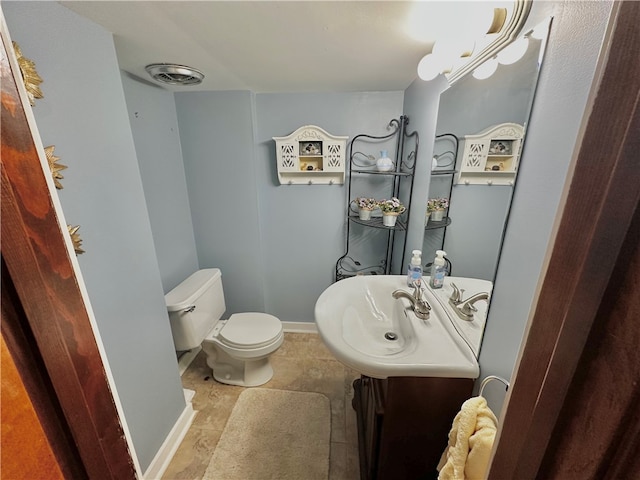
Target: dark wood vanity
{"points": [[404, 424]]}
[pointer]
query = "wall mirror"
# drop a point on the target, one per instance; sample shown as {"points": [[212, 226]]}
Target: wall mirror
{"points": [[474, 225]]}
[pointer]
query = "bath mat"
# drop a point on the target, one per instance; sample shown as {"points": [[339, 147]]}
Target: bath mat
{"points": [[274, 434]]}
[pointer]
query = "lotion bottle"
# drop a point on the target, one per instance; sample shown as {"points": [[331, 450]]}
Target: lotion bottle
{"points": [[438, 270], [414, 272]]}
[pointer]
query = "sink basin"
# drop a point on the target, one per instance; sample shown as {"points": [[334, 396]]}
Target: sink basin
{"points": [[376, 324], [379, 336]]}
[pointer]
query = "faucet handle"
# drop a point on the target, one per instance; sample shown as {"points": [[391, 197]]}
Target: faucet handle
{"points": [[417, 289], [456, 295], [468, 309]]}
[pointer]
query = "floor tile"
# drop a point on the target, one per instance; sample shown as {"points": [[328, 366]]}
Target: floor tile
{"points": [[302, 363]]}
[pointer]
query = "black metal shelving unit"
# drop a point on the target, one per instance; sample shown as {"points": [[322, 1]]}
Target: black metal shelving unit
{"points": [[445, 222], [400, 182]]}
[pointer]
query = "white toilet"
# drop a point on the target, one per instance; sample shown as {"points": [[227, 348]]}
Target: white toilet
{"points": [[237, 349]]}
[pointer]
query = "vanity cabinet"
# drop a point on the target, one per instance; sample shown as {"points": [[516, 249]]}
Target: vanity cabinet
{"points": [[491, 157], [404, 424], [310, 155], [402, 148]]}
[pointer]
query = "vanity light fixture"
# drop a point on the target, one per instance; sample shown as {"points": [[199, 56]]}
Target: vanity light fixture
{"points": [[173, 74], [456, 47], [510, 55], [431, 66], [449, 58]]}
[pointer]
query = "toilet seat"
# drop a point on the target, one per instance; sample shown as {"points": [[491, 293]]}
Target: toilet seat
{"points": [[250, 330]]}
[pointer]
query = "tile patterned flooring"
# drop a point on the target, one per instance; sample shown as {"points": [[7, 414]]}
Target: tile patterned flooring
{"points": [[302, 363]]}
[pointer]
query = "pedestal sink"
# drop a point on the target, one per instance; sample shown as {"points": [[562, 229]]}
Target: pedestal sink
{"points": [[379, 336]]}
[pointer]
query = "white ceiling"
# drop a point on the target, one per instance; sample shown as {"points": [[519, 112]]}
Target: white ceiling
{"points": [[267, 46]]}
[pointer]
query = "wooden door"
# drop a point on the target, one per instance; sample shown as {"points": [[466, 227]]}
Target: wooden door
{"points": [[26, 451]]}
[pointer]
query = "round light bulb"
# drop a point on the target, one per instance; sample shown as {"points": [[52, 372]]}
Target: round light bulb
{"points": [[485, 70], [430, 67], [514, 52]]}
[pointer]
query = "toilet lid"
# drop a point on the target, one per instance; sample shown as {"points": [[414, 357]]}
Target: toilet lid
{"points": [[250, 330]]}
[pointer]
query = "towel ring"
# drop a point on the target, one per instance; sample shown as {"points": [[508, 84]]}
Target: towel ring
{"points": [[492, 377]]}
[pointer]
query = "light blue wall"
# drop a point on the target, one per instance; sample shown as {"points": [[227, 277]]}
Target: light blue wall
{"points": [[303, 226], [567, 73], [276, 245], [83, 113], [154, 124], [216, 130], [473, 240]]}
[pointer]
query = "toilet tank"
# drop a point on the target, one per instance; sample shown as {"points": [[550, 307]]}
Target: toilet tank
{"points": [[202, 290]]}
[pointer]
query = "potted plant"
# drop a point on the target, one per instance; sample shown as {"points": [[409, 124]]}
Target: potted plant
{"points": [[365, 207], [436, 207], [390, 210]]}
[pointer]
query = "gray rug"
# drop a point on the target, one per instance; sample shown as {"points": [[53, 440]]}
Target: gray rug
{"points": [[274, 434]]}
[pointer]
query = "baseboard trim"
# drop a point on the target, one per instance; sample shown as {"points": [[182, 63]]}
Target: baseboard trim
{"points": [[170, 445], [300, 327]]}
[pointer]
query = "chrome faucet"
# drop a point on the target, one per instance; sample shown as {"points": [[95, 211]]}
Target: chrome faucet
{"points": [[419, 305], [465, 309]]}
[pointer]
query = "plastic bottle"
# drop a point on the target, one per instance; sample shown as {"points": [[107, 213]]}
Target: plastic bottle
{"points": [[438, 270], [414, 272]]}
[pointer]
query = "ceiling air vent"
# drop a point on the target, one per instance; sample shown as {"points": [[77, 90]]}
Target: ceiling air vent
{"points": [[172, 74]]}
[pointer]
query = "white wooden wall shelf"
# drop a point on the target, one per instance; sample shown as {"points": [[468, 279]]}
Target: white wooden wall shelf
{"points": [[491, 157], [311, 156]]}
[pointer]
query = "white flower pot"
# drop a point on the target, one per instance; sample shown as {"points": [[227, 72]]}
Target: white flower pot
{"points": [[365, 214], [389, 219], [437, 215]]}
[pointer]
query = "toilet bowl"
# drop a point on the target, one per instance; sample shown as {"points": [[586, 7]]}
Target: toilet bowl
{"points": [[237, 349]]}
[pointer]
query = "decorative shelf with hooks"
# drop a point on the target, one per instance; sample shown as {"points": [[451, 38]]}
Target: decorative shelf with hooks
{"points": [[491, 157], [311, 156]]}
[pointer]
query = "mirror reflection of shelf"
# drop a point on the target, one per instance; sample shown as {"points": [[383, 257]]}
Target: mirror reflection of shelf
{"points": [[376, 172], [376, 222], [491, 156], [432, 225], [443, 172]]}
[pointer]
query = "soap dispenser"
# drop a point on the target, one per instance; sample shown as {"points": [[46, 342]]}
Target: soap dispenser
{"points": [[414, 271], [438, 270]]}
